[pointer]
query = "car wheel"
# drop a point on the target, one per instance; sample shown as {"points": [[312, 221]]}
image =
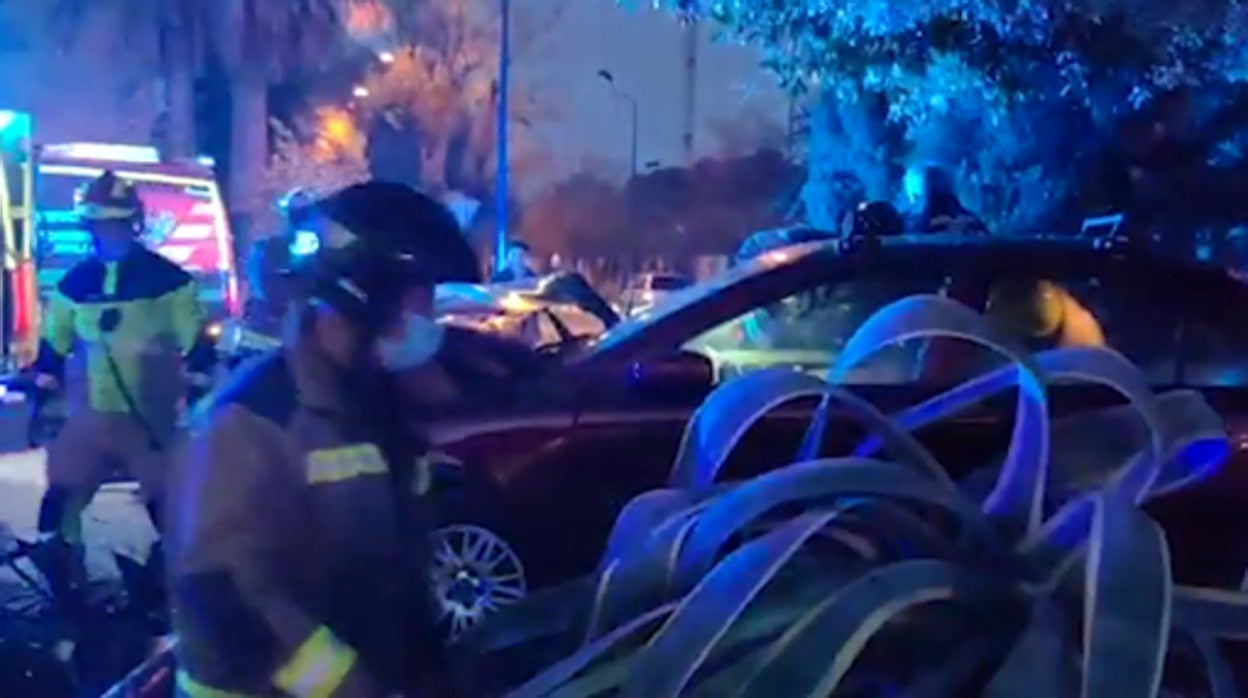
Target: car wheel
{"points": [[475, 572]]}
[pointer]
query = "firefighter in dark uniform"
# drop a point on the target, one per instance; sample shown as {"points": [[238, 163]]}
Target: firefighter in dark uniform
{"points": [[296, 517], [123, 332]]}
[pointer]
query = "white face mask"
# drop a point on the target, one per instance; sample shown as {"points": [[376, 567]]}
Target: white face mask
{"points": [[420, 340]]}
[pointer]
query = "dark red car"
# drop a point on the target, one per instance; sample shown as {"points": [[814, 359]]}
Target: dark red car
{"points": [[551, 455]]}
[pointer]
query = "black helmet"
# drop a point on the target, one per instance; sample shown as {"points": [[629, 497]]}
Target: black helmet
{"points": [[874, 219], [109, 197], [379, 239]]}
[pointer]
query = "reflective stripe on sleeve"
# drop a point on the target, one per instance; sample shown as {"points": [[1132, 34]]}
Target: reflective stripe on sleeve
{"points": [[190, 688], [346, 463], [318, 667]]}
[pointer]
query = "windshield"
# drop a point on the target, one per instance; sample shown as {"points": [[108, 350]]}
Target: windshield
{"points": [[674, 302]]}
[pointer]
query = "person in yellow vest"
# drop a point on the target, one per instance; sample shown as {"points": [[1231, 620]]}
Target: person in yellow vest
{"points": [[123, 332]]}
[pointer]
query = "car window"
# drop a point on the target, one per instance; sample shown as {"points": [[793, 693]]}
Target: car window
{"points": [[1128, 314], [808, 329]]}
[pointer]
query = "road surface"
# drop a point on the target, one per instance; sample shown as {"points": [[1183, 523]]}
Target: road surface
{"points": [[115, 521]]}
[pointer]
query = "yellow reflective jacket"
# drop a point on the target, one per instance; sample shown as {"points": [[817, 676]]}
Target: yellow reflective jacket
{"points": [[142, 312]]}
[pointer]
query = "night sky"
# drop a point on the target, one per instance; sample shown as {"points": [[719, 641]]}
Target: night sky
{"points": [[644, 49]]}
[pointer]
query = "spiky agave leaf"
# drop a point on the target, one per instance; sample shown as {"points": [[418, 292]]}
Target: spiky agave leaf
{"points": [[893, 528], [1208, 616], [640, 516], [638, 578], [733, 407], [1126, 618], [1196, 439], [1036, 665], [1194, 446], [627, 585], [1060, 541], [959, 670], [635, 566], [798, 663], [1097, 448], [1053, 364], [553, 677], [1110, 369], [1217, 671], [783, 601], [680, 647], [815, 481], [1219, 613], [686, 542], [900, 444], [1018, 498]]}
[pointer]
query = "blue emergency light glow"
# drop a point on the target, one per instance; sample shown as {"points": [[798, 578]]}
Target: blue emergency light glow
{"points": [[305, 243], [7, 118]]}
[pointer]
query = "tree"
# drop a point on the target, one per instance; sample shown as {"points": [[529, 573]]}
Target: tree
{"points": [[582, 216], [259, 42], [323, 156], [1013, 97], [749, 130], [711, 207], [147, 39], [440, 94]]}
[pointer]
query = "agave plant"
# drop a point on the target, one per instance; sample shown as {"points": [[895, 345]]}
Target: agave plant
{"points": [[874, 575]]}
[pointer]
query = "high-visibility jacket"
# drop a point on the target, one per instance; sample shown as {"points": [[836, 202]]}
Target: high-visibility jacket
{"points": [[295, 540], [129, 326]]}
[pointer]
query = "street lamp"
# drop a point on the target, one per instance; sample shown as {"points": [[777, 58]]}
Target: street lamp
{"points": [[608, 78], [500, 179], [360, 91], [386, 57]]}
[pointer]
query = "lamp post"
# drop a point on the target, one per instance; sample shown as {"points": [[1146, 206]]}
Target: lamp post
{"points": [[608, 78], [500, 180]]}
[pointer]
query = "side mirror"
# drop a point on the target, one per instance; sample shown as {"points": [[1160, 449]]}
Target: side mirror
{"points": [[684, 372]]}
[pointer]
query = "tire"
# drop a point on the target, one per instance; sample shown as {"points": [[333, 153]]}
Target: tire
{"points": [[475, 568]]}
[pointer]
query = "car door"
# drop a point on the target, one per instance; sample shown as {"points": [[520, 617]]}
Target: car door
{"points": [[627, 435]]}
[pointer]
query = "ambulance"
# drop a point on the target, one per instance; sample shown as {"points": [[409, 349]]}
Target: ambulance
{"points": [[43, 237]]}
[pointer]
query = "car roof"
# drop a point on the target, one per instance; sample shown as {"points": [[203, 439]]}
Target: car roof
{"points": [[1037, 252]]}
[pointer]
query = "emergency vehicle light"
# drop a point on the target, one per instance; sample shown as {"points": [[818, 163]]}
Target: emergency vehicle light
{"points": [[7, 117], [111, 152], [305, 243]]}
